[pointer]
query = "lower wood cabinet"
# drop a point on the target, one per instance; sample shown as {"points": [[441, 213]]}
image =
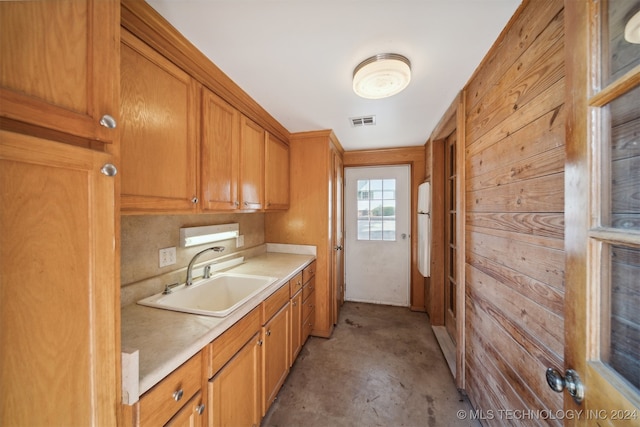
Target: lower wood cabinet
{"points": [[191, 415], [234, 392], [168, 397], [275, 354]]}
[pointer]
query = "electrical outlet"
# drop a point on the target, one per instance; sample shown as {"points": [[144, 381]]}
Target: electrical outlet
{"points": [[167, 256], [240, 241]]}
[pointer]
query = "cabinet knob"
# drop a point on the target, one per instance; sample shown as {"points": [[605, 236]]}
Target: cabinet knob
{"points": [[200, 409], [294, 303], [269, 333], [108, 122], [260, 342], [194, 200], [109, 170], [245, 203], [177, 395], [236, 203]]}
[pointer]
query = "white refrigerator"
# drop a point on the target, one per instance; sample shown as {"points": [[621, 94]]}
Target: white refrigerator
{"points": [[424, 229]]}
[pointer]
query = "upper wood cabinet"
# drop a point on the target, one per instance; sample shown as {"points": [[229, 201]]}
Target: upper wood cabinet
{"points": [[158, 133], [276, 174], [314, 216], [252, 143], [219, 153], [59, 65]]}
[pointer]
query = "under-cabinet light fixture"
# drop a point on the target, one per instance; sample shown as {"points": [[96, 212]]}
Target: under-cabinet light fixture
{"points": [[193, 236], [381, 76]]}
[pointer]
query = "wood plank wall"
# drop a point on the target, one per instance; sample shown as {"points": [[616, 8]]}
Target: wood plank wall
{"points": [[514, 189]]}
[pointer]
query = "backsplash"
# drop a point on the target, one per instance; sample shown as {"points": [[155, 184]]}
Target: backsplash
{"points": [[143, 236]]}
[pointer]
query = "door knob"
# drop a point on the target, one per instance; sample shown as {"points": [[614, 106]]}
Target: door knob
{"points": [[570, 381]]}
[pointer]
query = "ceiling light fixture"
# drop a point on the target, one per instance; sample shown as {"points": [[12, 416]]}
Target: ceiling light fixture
{"points": [[632, 29], [381, 76]]}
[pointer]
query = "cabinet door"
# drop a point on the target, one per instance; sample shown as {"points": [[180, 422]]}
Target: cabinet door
{"points": [[251, 165], [191, 415], [276, 174], [158, 132], [275, 362], [296, 327], [58, 291], [59, 65], [234, 393], [219, 153]]}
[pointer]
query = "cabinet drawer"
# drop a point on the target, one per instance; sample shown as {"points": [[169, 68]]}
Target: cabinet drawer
{"points": [[295, 284], [307, 326], [308, 289], [232, 340], [274, 303], [308, 305], [166, 398], [308, 272]]}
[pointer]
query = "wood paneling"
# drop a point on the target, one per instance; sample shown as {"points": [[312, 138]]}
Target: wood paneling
{"points": [[514, 232]]}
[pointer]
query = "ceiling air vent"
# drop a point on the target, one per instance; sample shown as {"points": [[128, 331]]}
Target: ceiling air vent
{"points": [[363, 121]]}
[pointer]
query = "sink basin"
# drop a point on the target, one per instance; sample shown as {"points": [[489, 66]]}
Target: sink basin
{"points": [[218, 296]]}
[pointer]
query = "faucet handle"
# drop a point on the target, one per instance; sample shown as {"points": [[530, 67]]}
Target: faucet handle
{"points": [[168, 288], [207, 271]]}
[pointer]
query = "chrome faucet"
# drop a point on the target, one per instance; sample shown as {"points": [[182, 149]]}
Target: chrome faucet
{"points": [[189, 280]]}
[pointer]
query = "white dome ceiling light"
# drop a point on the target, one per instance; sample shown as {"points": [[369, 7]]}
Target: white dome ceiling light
{"points": [[632, 29], [381, 76]]}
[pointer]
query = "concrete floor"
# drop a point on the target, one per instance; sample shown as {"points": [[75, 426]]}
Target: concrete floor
{"points": [[381, 367]]}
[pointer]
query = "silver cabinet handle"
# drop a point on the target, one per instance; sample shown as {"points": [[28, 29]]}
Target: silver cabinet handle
{"points": [[194, 200], [109, 170], [200, 409], [177, 395], [245, 203], [260, 342], [108, 122], [269, 333]]}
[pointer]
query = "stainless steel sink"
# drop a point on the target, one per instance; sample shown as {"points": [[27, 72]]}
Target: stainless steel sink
{"points": [[218, 296]]}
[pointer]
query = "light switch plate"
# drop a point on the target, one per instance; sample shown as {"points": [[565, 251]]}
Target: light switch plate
{"points": [[167, 256]]}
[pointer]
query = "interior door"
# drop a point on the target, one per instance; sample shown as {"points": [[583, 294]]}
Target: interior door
{"points": [[377, 230], [451, 248], [338, 236], [602, 216]]}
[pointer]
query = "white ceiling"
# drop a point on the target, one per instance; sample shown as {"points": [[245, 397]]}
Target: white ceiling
{"points": [[296, 57]]}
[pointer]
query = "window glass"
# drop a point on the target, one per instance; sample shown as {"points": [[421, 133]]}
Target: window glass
{"points": [[376, 209]]}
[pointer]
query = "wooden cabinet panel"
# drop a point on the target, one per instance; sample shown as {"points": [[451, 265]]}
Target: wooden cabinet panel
{"points": [[252, 142], [234, 393], [295, 285], [274, 303], [191, 415], [311, 218], [167, 397], [219, 153], [158, 132], [275, 355], [59, 65], [296, 327], [231, 341], [276, 174], [58, 295]]}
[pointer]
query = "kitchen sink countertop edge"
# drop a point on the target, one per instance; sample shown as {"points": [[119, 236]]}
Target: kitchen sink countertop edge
{"points": [[166, 339]]}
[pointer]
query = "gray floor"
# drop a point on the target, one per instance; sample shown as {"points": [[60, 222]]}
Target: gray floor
{"points": [[381, 367]]}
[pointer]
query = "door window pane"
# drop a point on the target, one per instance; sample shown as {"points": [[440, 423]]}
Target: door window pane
{"points": [[376, 209], [625, 162], [623, 56], [623, 336]]}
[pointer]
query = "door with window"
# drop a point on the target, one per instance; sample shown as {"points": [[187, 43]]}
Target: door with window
{"points": [[451, 249], [602, 214], [377, 229]]}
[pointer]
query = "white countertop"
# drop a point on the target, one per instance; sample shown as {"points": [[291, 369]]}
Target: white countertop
{"points": [[166, 339]]}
